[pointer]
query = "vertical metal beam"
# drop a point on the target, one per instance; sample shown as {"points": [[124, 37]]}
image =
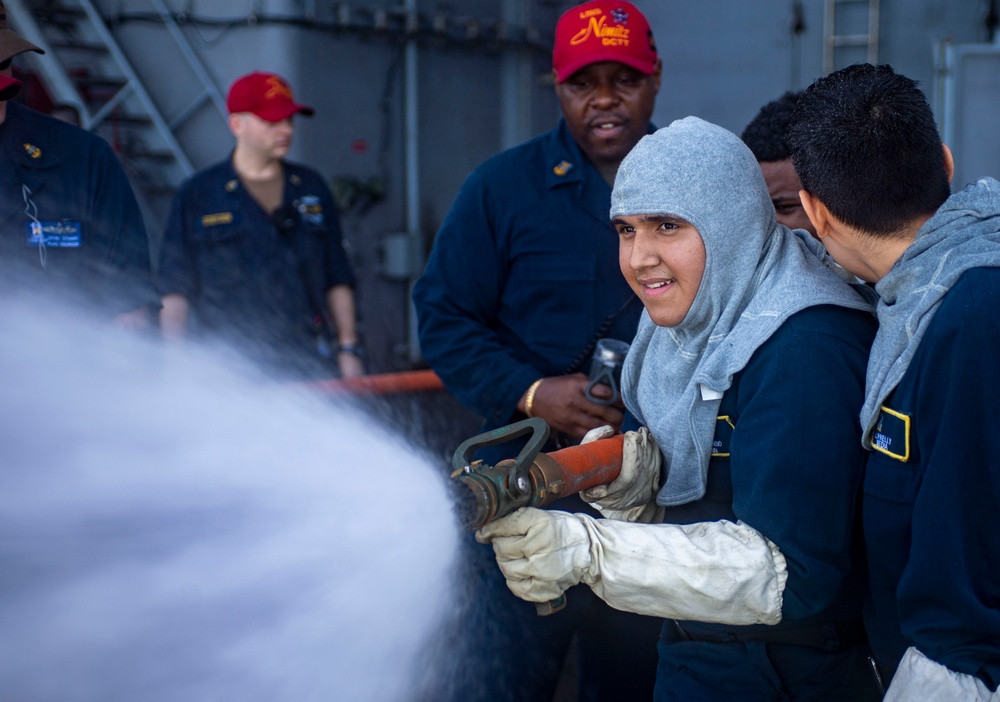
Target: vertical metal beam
{"points": [[872, 31], [829, 31], [515, 81], [411, 130]]}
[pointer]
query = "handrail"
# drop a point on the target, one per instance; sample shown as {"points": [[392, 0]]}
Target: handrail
{"points": [[382, 384]]}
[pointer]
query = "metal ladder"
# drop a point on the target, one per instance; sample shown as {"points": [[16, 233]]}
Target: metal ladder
{"points": [[85, 67], [833, 41]]}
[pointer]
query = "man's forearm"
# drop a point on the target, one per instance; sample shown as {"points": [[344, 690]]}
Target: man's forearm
{"points": [[174, 316], [340, 299]]}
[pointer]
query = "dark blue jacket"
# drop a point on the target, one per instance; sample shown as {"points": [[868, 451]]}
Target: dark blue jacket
{"points": [[522, 274], [94, 243], [788, 460], [246, 280], [932, 493]]}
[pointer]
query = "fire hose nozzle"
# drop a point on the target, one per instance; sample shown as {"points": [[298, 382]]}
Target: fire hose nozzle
{"points": [[533, 479]]}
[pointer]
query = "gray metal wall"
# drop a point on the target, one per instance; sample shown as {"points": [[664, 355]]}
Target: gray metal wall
{"points": [[722, 59]]}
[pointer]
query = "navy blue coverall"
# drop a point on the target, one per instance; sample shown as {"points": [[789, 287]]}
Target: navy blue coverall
{"points": [[932, 493], [788, 462], [260, 286]]}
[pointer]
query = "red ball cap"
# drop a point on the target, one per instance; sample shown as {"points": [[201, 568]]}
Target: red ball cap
{"points": [[266, 95], [603, 30]]}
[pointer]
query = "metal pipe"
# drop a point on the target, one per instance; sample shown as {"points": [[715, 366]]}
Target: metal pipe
{"points": [[411, 130], [383, 384], [515, 82]]}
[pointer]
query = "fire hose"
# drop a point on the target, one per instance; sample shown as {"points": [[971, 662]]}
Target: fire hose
{"points": [[533, 479]]}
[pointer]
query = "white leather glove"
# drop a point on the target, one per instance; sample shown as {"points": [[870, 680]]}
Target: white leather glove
{"points": [[541, 553], [709, 572], [630, 497], [920, 679]]}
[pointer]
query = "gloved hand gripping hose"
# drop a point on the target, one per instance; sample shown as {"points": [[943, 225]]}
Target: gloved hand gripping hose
{"points": [[533, 479]]}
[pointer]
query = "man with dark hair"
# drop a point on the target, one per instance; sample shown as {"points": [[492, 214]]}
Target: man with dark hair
{"points": [[69, 221], [876, 186], [766, 137], [520, 284]]}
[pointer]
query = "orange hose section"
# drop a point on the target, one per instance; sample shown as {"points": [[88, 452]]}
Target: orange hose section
{"points": [[596, 463], [383, 383]]}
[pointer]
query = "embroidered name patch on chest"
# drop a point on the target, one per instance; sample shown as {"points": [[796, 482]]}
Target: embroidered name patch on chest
{"points": [[723, 436], [892, 434], [64, 234], [214, 220]]}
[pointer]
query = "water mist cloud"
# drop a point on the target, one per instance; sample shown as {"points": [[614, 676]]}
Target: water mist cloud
{"points": [[172, 530]]}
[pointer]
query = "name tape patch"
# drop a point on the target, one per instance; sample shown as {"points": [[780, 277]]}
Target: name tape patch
{"points": [[64, 234], [892, 434], [723, 436], [214, 220]]}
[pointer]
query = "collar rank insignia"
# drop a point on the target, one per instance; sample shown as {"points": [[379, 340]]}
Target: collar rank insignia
{"points": [[32, 151], [562, 168], [295, 180], [231, 185]]}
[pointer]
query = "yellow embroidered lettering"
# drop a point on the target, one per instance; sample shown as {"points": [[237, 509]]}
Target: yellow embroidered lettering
{"points": [[600, 29], [277, 87], [213, 220]]}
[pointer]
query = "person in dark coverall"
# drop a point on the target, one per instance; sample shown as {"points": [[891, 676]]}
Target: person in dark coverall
{"points": [[253, 246], [520, 283], [69, 221], [766, 137], [735, 516], [876, 182]]}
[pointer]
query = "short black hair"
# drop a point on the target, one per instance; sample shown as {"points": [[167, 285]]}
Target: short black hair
{"points": [[766, 133], [864, 142]]}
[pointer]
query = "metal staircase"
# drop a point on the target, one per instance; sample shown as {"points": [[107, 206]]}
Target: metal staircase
{"points": [[835, 44], [84, 66]]}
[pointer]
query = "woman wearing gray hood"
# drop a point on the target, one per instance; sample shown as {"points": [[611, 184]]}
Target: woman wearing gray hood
{"points": [[735, 515]]}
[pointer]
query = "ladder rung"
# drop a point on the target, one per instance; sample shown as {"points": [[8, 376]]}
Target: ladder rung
{"points": [[139, 120], [100, 82], [850, 40], [58, 15], [147, 154]]}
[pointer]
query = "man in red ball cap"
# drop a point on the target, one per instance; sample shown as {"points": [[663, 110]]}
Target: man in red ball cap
{"points": [[607, 74], [521, 282], [253, 246]]}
